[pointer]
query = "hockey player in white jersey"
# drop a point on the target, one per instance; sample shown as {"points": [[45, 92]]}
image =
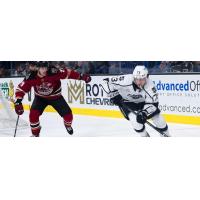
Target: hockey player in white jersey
{"points": [[137, 92]]}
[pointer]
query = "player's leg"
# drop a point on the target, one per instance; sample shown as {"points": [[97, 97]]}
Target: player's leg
{"points": [[36, 110], [153, 112], [161, 124], [138, 127], [61, 106]]}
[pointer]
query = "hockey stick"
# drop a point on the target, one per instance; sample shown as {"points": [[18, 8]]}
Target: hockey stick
{"points": [[147, 122], [16, 126]]}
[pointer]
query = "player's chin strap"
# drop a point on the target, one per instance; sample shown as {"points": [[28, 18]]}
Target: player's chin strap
{"points": [[134, 112]]}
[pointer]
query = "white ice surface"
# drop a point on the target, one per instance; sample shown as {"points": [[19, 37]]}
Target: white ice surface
{"points": [[52, 126]]}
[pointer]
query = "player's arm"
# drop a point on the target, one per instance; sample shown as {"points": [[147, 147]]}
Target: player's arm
{"points": [[23, 88], [112, 92], [72, 74], [151, 103]]}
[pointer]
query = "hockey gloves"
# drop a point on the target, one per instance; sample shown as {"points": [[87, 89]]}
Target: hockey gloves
{"points": [[141, 117], [86, 78], [19, 109]]}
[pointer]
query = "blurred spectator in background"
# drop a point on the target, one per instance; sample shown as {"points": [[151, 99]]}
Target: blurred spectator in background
{"points": [[114, 68], [196, 66], [62, 65], [91, 68], [20, 71], [22, 68], [163, 67], [71, 64], [31, 66], [82, 66], [2, 72], [102, 67], [151, 65], [4, 69], [180, 66]]}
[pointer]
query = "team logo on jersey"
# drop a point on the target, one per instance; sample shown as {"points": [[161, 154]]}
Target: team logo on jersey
{"points": [[45, 89], [76, 92], [138, 96]]}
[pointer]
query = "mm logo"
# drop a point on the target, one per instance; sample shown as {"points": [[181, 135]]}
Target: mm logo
{"points": [[76, 92]]}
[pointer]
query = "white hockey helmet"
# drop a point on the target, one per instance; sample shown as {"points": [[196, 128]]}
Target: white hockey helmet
{"points": [[140, 72]]}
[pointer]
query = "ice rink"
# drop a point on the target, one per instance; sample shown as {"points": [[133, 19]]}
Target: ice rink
{"points": [[88, 126]]}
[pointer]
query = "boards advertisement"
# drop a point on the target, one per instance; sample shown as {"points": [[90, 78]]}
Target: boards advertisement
{"points": [[179, 96]]}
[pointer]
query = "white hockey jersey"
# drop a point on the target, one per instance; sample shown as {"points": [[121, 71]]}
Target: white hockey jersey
{"points": [[124, 86]]}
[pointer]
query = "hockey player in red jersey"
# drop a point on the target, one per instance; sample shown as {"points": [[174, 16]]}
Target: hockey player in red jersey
{"points": [[46, 82]]}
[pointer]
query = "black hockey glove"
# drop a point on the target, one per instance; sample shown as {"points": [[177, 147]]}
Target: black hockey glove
{"points": [[141, 117], [117, 100]]}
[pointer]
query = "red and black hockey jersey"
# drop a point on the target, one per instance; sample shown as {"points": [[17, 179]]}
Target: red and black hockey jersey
{"points": [[46, 87]]}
